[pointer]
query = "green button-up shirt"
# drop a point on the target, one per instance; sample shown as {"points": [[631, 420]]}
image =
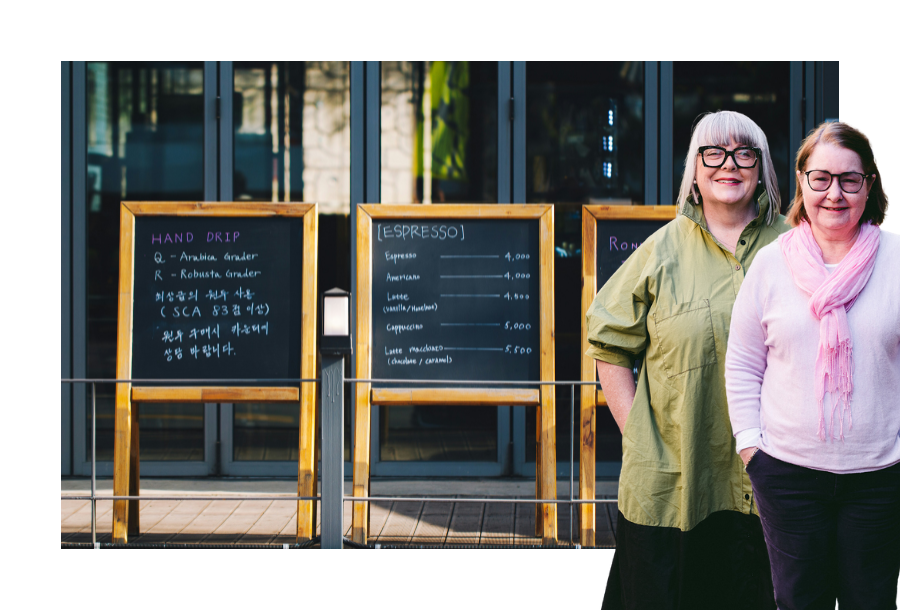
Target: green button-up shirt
{"points": [[673, 298]]}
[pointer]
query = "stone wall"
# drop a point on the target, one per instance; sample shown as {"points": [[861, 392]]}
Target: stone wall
{"points": [[326, 136], [398, 123]]}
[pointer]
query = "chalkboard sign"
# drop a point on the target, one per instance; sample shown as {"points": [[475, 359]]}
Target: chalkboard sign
{"points": [[616, 240], [214, 291], [610, 234], [456, 299], [217, 297], [455, 293]]}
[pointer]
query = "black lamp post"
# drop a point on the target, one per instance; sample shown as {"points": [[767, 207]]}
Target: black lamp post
{"points": [[335, 342]]}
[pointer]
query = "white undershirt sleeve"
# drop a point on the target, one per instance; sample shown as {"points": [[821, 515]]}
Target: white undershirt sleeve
{"points": [[747, 438]]}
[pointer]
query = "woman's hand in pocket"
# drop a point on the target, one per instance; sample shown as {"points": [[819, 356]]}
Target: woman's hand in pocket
{"points": [[747, 454]]}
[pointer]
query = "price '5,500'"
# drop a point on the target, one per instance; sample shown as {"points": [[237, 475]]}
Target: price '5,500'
{"points": [[515, 349]]}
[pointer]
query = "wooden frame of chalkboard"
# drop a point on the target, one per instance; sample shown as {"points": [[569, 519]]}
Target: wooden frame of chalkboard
{"points": [[126, 467], [592, 396], [423, 217]]}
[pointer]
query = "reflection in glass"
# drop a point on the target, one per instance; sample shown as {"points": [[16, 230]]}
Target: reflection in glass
{"points": [[292, 143], [438, 132], [446, 434], [584, 145], [171, 432], [585, 132], [292, 133], [759, 89], [271, 432], [438, 145], [145, 143], [266, 431]]}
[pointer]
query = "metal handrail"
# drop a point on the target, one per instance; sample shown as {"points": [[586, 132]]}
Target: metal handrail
{"points": [[317, 380], [175, 498], [94, 498], [487, 500]]}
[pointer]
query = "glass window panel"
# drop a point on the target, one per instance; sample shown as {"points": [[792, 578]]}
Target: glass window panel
{"points": [[438, 433], [438, 132], [292, 143], [585, 132], [438, 145], [584, 145], [292, 133], [144, 143], [265, 431], [171, 431], [271, 432], [759, 89]]}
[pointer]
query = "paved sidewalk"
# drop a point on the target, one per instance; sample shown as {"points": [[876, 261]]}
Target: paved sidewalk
{"points": [[234, 521]]}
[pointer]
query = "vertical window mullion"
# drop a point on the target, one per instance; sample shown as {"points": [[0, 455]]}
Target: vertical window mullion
{"points": [[796, 125], [666, 126], [66, 271], [651, 133], [210, 132], [809, 93], [226, 130], [504, 132], [518, 135], [373, 132], [79, 259]]}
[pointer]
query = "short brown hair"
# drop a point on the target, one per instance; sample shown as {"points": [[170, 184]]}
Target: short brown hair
{"points": [[841, 134]]}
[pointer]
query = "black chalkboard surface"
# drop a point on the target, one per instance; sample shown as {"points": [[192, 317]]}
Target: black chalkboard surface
{"points": [[217, 297], [616, 240], [456, 299]]}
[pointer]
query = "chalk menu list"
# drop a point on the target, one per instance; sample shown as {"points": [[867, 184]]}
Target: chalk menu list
{"points": [[216, 297], [616, 240], [456, 299]]}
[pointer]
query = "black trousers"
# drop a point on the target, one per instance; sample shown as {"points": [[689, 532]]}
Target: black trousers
{"points": [[721, 564], [830, 536]]}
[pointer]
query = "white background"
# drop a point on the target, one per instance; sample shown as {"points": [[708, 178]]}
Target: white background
{"points": [[872, 107]]}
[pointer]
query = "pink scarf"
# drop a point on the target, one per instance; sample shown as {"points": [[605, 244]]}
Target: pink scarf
{"points": [[831, 296]]}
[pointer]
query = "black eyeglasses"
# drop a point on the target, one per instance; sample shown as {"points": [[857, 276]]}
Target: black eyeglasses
{"points": [[850, 182], [744, 157]]}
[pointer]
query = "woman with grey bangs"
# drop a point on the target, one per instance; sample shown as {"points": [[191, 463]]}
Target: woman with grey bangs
{"points": [[688, 535]]}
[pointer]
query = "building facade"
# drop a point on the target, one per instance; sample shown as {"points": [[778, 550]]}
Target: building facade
{"points": [[342, 133]]}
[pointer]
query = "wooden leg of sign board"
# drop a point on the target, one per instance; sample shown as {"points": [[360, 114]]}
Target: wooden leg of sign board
{"points": [[317, 457], [538, 521], [134, 475], [306, 476], [548, 462], [361, 435], [121, 459], [587, 471]]}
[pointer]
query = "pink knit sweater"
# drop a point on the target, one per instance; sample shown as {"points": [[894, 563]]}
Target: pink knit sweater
{"points": [[770, 364]]}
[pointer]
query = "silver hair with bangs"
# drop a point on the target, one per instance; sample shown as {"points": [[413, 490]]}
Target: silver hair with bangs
{"points": [[718, 129]]}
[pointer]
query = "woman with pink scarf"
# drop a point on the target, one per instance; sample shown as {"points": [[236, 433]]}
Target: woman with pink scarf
{"points": [[812, 375]]}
